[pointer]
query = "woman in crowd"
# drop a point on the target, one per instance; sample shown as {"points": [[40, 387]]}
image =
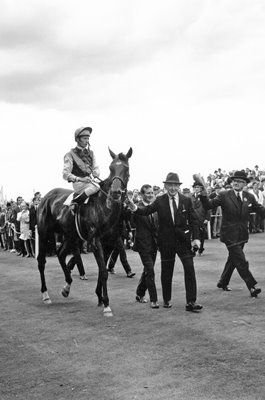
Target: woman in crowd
{"points": [[25, 233]]}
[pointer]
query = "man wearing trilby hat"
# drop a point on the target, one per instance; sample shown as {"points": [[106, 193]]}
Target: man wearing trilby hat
{"points": [[236, 207], [178, 226]]}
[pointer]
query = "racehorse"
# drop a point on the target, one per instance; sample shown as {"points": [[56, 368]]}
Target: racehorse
{"points": [[91, 222]]}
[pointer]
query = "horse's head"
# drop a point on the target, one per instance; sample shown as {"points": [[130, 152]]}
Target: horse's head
{"points": [[119, 174]]}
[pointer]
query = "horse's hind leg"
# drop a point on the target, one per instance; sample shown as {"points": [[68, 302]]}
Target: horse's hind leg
{"points": [[62, 253]]}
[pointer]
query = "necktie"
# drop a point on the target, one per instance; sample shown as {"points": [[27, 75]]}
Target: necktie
{"points": [[174, 208], [239, 199]]}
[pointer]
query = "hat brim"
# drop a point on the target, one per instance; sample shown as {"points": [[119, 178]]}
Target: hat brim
{"points": [[177, 183], [243, 178], [85, 129]]}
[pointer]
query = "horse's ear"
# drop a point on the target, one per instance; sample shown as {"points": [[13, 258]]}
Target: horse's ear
{"points": [[129, 154], [113, 155]]}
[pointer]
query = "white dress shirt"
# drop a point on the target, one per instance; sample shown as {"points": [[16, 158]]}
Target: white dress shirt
{"points": [[176, 197]]}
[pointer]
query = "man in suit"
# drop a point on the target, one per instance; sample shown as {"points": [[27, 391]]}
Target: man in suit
{"points": [[114, 243], [18, 243], [178, 225], [145, 243], [236, 207], [202, 214], [33, 222]]}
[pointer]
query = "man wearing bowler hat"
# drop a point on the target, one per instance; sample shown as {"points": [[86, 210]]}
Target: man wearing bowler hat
{"points": [[236, 207], [80, 167], [178, 226]]}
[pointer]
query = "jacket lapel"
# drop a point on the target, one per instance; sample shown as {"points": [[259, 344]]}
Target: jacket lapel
{"points": [[180, 203], [167, 207], [234, 199]]}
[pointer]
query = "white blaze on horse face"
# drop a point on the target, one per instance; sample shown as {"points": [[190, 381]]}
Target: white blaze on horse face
{"points": [[116, 188]]}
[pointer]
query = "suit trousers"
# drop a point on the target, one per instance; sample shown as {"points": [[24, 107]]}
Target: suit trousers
{"points": [[236, 259], [119, 250], [167, 269], [147, 279], [202, 238], [76, 260]]}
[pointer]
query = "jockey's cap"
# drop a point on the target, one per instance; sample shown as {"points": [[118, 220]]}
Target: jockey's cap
{"points": [[81, 131]]}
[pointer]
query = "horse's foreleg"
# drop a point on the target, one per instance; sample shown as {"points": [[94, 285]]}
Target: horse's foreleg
{"points": [[62, 253], [98, 291], [41, 266], [45, 298], [101, 289]]}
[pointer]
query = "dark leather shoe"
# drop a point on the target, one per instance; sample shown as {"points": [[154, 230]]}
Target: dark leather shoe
{"points": [[140, 299], [167, 304], [225, 288], [154, 304], [130, 274], [254, 292], [111, 271], [194, 307]]}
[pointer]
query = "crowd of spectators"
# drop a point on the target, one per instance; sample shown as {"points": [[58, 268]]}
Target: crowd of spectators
{"points": [[18, 218], [220, 180], [17, 226]]}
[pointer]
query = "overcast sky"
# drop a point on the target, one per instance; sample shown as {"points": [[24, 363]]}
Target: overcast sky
{"points": [[181, 82]]}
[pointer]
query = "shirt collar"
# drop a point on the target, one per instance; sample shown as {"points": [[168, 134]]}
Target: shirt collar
{"points": [[173, 197], [145, 203], [240, 193], [81, 148]]}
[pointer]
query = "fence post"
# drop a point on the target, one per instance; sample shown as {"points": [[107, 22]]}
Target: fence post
{"points": [[209, 229]]}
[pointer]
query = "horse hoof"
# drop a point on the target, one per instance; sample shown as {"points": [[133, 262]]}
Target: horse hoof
{"points": [[65, 292], [45, 298], [107, 312], [47, 301]]}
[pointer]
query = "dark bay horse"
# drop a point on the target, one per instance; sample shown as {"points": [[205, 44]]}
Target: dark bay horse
{"points": [[92, 222]]}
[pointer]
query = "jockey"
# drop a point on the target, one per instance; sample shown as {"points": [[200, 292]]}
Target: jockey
{"points": [[80, 167]]}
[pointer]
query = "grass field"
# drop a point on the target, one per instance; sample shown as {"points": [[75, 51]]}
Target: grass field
{"points": [[68, 350]]}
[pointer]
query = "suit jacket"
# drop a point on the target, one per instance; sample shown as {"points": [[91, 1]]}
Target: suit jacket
{"points": [[145, 240], [14, 220], [186, 226], [201, 212], [235, 218], [32, 218]]}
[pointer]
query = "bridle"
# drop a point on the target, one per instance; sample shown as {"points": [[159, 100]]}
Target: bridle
{"points": [[123, 190]]}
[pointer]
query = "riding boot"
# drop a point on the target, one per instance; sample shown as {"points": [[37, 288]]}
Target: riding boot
{"points": [[80, 198]]}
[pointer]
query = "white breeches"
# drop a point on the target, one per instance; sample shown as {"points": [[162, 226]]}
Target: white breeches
{"points": [[89, 188]]}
